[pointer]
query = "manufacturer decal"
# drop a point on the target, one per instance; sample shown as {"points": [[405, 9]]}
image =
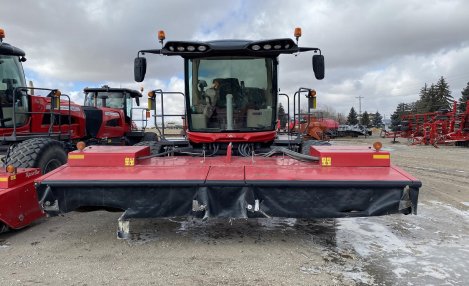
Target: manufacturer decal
{"points": [[65, 107], [32, 173], [110, 113]]}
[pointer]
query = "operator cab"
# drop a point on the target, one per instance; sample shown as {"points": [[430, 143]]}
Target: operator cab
{"points": [[116, 98], [11, 77], [231, 86]]}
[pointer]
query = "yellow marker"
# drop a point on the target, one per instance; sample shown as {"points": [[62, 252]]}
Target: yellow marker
{"points": [[13, 177], [129, 161], [76, 156], [326, 161], [3, 179], [380, 156]]}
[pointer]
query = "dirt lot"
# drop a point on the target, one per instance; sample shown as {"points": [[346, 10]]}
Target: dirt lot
{"points": [[428, 249]]}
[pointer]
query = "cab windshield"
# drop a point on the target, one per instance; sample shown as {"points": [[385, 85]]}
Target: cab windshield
{"points": [[231, 94], [105, 99]]}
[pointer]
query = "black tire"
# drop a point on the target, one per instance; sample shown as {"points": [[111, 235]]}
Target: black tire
{"points": [[149, 136], [307, 144], [155, 147], [43, 153]]}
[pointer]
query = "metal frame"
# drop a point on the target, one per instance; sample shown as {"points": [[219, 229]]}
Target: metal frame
{"points": [[161, 93], [52, 111]]}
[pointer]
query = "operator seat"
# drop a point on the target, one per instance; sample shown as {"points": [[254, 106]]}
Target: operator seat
{"points": [[228, 86], [233, 87]]}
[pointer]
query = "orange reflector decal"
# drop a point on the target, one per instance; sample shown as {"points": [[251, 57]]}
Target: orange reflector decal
{"points": [[4, 179], [377, 156], [76, 156]]}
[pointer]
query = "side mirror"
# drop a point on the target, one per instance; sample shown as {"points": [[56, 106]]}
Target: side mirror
{"points": [[140, 68], [318, 66], [137, 101]]}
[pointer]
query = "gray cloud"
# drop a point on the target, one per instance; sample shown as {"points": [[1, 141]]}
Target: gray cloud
{"points": [[382, 50]]}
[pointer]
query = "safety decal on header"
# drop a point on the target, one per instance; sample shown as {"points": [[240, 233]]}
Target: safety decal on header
{"points": [[129, 161], [326, 161]]}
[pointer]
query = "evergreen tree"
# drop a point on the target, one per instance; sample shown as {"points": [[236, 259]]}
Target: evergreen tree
{"points": [[423, 104], [464, 98], [443, 99], [377, 120], [402, 108], [365, 120], [282, 116], [432, 99], [352, 118]]}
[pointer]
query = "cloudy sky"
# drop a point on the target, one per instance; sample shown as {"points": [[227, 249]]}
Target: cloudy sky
{"points": [[384, 51]]}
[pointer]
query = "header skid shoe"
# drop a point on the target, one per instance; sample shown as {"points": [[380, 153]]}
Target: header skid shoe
{"points": [[181, 186]]}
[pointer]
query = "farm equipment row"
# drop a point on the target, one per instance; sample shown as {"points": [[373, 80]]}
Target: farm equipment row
{"points": [[435, 128], [232, 163]]}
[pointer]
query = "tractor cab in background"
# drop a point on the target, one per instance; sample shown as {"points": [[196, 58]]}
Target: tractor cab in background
{"points": [[11, 77], [109, 114]]}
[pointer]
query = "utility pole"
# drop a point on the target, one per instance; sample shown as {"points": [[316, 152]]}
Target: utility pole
{"points": [[359, 106]]}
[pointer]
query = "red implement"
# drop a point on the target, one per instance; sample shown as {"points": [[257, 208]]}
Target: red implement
{"points": [[18, 199]]}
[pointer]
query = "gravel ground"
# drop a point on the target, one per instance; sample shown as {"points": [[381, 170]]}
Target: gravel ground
{"points": [[428, 249]]}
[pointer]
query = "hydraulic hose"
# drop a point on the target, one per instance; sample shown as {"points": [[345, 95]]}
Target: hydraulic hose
{"points": [[292, 154]]}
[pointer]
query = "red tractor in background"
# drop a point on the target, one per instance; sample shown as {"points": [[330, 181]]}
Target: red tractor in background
{"points": [[38, 131], [109, 117]]}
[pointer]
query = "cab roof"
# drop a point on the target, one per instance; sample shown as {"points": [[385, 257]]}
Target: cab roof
{"points": [[133, 93], [9, 50]]}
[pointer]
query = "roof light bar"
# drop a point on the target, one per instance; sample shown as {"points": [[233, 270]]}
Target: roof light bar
{"points": [[185, 47], [282, 44]]}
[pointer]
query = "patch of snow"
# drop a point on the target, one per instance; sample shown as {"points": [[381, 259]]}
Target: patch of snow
{"points": [[368, 237], [434, 272], [400, 271], [358, 276], [464, 214]]}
